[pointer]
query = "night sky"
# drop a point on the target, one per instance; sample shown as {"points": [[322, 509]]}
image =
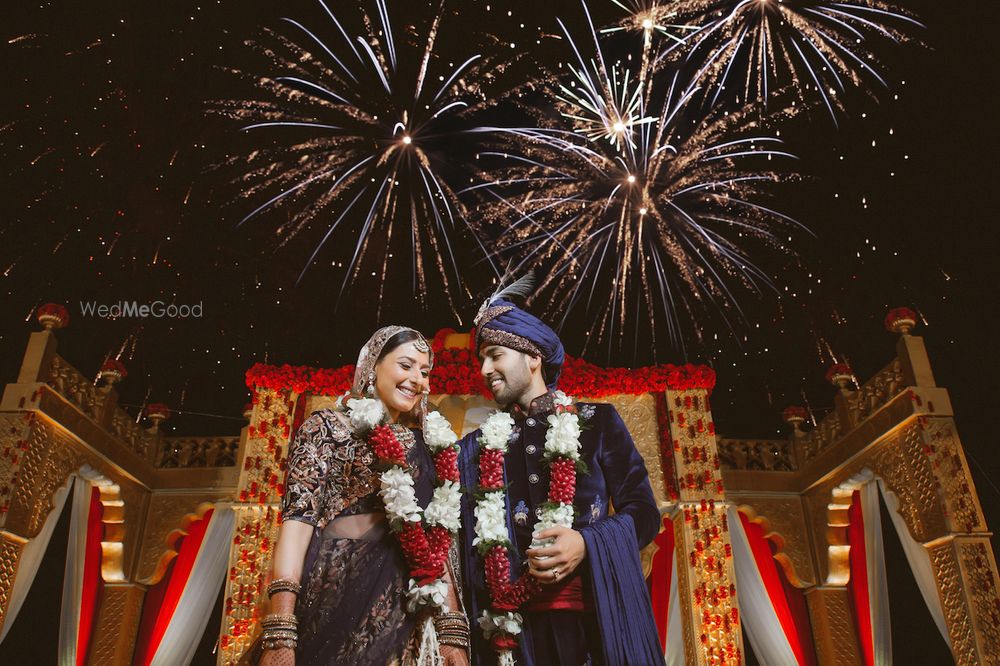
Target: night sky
{"points": [[115, 188]]}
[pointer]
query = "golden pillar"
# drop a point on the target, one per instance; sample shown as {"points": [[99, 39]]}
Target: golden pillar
{"points": [[263, 461], [706, 579]]}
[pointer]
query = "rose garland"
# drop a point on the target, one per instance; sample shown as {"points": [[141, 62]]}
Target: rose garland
{"points": [[425, 535], [501, 623]]}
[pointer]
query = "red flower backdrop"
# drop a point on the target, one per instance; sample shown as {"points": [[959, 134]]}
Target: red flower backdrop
{"points": [[456, 372]]}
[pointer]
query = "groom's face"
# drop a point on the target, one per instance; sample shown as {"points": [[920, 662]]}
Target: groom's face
{"points": [[507, 372]]}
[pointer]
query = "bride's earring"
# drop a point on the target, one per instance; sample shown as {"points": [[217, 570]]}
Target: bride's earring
{"points": [[370, 391]]}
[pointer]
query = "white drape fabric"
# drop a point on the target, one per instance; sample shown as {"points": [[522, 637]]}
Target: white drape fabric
{"points": [[31, 558], [919, 560], [878, 588], [194, 608], [756, 610], [675, 635], [76, 553]]}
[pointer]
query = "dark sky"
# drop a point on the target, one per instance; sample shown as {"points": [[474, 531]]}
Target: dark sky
{"points": [[110, 193]]}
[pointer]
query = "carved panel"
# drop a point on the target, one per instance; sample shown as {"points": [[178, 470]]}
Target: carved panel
{"points": [[956, 612], [117, 625], [833, 629], [903, 467], [47, 463], [981, 585], [944, 454], [639, 414], [14, 444], [10, 557]]}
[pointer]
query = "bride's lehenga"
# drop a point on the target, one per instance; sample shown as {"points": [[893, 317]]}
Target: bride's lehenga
{"points": [[352, 606]]}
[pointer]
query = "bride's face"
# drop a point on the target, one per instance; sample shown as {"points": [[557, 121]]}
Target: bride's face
{"points": [[401, 377]]}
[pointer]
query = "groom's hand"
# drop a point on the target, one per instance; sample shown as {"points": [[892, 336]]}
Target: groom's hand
{"points": [[556, 561]]}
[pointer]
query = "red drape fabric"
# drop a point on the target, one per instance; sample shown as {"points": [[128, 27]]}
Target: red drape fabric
{"points": [[93, 582], [787, 600], [859, 578], [799, 640], [161, 600], [659, 579]]}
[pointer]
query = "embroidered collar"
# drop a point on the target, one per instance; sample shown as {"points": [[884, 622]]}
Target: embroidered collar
{"points": [[539, 408]]}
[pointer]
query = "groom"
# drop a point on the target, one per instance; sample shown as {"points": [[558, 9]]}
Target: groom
{"points": [[592, 605]]}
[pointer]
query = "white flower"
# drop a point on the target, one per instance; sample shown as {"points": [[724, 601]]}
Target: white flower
{"points": [[445, 508], [438, 433], [365, 413], [497, 429], [433, 595], [492, 623], [563, 436], [398, 496], [491, 518], [561, 399], [559, 516]]}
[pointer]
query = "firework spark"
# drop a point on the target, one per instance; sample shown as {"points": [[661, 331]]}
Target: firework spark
{"points": [[365, 127], [657, 222], [820, 48]]}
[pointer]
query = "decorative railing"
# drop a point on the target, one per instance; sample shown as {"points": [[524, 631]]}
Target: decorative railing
{"points": [[71, 384], [877, 391], [136, 438], [769, 455], [823, 436], [189, 452]]}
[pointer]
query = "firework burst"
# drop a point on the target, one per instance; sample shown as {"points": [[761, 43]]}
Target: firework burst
{"points": [[820, 48], [656, 219], [363, 130]]}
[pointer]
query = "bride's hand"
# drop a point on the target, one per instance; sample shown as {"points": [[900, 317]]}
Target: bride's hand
{"points": [[278, 657], [454, 656]]}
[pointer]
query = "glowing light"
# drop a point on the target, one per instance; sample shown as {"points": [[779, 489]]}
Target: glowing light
{"points": [[407, 139], [631, 178]]}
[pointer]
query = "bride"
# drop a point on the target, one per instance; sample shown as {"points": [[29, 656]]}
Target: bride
{"points": [[363, 569]]}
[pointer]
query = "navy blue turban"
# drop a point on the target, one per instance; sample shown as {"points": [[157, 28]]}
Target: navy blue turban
{"points": [[503, 323]]}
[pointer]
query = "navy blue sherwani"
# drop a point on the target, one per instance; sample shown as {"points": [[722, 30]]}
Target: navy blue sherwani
{"points": [[599, 614]]}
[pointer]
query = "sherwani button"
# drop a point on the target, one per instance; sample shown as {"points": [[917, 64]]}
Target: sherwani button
{"points": [[532, 478], [530, 448], [531, 423]]}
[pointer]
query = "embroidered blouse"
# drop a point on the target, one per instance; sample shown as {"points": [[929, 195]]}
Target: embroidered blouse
{"points": [[330, 473]]}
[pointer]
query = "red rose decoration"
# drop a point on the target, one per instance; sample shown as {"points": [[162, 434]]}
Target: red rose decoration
{"points": [[900, 320], [52, 315]]}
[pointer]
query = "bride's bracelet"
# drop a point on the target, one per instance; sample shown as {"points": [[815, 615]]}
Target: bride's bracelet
{"points": [[283, 585], [452, 629], [280, 631]]}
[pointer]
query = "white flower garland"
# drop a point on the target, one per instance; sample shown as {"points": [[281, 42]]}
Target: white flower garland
{"points": [[561, 439], [397, 492]]}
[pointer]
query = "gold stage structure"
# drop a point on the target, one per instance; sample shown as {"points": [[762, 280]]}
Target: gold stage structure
{"points": [[898, 425]]}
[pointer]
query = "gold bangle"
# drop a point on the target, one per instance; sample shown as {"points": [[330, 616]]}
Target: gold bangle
{"points": [[278, 617], [283, 585]]}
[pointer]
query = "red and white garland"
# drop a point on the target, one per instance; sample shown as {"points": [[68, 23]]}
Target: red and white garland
{"points": [[501, 623], [425, 535]]}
